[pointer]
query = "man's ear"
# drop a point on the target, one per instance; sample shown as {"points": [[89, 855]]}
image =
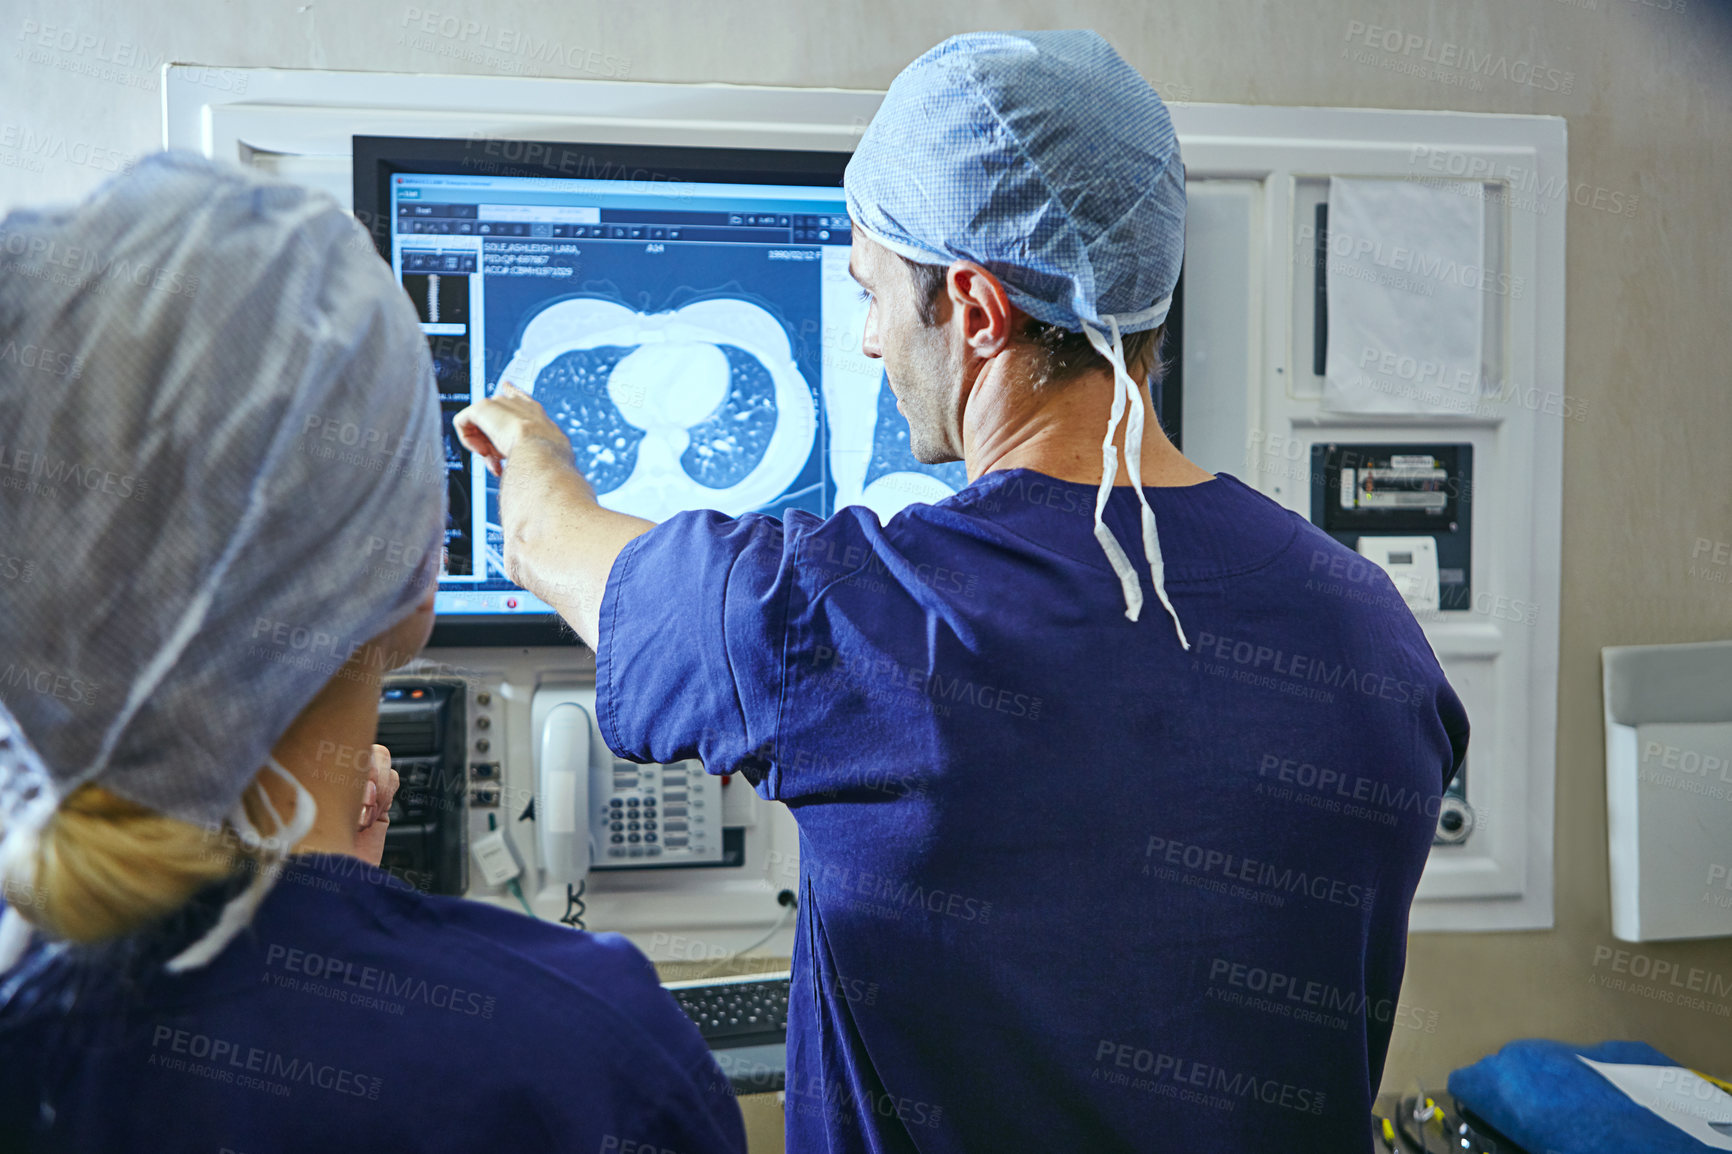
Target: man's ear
{"points": [[985, 308]]}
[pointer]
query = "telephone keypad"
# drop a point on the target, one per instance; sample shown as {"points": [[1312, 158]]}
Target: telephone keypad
{"points": [[657, 811]]}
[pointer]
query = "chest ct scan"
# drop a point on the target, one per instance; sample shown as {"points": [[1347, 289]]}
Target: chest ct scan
{"points": [[698, 343]]}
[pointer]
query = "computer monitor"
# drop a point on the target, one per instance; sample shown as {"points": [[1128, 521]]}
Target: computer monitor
{"points": [[684, 314]]}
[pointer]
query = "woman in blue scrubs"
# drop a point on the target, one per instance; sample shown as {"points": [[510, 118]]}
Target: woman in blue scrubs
{"points": [[226, 492]]}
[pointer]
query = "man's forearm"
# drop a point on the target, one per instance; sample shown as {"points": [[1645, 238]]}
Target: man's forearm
{"points": [[559, 543]]}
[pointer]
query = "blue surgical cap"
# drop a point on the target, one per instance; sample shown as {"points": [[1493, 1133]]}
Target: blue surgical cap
{"points": [[1041, 156], [1046, 159]]}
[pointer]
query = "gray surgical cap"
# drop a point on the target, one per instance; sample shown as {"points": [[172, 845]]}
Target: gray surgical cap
{"points": [[220, 473], [1048, 160]]}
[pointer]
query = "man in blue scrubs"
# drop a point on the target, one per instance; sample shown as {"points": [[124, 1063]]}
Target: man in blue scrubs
{"points": [[1072, 877]]}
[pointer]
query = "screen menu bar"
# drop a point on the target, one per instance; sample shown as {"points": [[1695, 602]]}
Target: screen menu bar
{"points": [[557, 223]]}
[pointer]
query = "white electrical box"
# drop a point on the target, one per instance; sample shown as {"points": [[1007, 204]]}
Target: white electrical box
{"points": [[1411, 563]]}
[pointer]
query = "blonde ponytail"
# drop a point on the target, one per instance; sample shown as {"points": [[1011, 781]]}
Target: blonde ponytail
{"points": [[106, 867]]}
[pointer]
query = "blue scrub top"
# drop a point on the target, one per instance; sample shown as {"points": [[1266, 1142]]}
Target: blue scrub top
{"points": [[356, 1014], [1063, 885]]}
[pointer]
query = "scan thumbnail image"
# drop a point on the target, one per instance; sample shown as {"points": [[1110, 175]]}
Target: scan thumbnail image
{"points": [[702, 407], [440, 298]]}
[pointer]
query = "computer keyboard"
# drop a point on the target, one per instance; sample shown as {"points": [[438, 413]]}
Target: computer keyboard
{"points": [[750, 1010]]}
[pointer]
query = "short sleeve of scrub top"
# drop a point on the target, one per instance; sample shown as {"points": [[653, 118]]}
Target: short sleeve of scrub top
{"points": [[712, 634]]}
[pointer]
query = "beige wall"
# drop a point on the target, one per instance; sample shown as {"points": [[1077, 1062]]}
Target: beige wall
{"points": [[1647, 472]]}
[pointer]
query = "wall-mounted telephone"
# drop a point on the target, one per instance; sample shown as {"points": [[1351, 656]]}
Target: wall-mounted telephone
{"points": [[562, 791], [593, 811]]}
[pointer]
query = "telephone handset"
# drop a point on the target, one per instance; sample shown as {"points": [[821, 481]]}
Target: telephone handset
{"points": [[562, 791], [593, 810]]}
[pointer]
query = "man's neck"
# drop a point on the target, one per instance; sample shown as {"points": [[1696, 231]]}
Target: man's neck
{"points": [[1058, 429]]}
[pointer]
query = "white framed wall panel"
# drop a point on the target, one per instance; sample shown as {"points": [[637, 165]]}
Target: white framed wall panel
{"points": [[1254, 408]]}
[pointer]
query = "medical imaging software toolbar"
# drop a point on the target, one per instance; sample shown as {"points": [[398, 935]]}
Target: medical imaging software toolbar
{"points": [[698, 343]]}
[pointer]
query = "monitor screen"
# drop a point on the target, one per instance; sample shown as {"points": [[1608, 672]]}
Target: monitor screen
{"points": [[685, 315]]}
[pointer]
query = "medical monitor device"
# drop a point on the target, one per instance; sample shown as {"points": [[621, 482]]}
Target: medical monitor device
{"points": [[684, 314]]}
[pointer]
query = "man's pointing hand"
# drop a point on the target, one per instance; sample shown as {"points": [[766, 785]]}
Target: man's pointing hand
{"points": [[494, 427]]}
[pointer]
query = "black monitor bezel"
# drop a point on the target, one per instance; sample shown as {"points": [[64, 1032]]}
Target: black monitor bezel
{"points": [[376, 159]]}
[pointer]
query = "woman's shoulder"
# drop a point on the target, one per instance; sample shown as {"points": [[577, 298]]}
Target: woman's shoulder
{"points": [[508, 984], [348, 976], [455, 931]]}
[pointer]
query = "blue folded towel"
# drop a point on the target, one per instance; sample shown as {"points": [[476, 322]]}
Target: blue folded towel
{"points": [[1543, 1097]]}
